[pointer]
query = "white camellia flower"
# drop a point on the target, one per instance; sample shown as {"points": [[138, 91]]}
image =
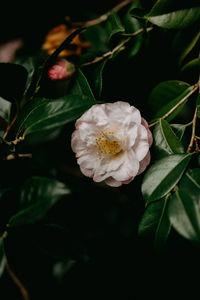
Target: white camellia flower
{"points": [[111, 142]]}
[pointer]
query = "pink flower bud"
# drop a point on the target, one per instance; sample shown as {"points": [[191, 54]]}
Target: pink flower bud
{"points": [[61, 70], [112, 142]]}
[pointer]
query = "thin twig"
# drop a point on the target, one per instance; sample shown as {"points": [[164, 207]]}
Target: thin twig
{"points": [[193, 137], [18, 283], [109, 53], [9, 127], [176, 106], [103, 17], [194, 120]]}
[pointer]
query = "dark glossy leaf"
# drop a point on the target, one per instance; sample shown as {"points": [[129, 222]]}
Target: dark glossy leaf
{"points": [[113, 25], [183, 42], [133, 25], [80, 86], [37, 196], [165, 140], [198, 106], [163, 175], [166, 95], [13, 79], [29, 64], [2, 257], [194, 63], [5, 107], [179, 130], [167, 14], [184, 215], [155, 222], [44, 114], [190, 184], [96, 77]]}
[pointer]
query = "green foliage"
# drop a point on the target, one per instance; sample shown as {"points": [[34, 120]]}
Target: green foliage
{"points": [[165, 140], [155, 222], [142, 52], [164, 14], [163, 175], [5, 109], [36, 196], [166, 95]]}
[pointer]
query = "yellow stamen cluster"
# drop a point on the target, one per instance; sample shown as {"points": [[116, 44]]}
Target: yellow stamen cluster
{"points": [[108, 145]]}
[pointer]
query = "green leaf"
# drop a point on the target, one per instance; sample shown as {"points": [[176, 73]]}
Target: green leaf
{"points": [[184, 41], [2, 257], [29, 64], [113, 25], [37, 195], [133, 25], [184, 215], [155, 222], [96, 77], [44, 114], [166, 95], [165, 140], [198, 106], [163, 175], [179, 130], [167, 14], [191, 64], [190, 184], [5, 107], [13, 79], [80, 86]]}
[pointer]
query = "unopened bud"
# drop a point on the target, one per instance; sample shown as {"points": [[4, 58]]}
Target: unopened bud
{"points": [[61, 70]]}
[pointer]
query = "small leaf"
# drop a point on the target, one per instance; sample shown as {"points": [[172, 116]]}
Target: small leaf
{"points": [[5, 107], [37, 195], [183, 42], [190, 184], [163, 175], [191, 64], [2, 257], [198, 106], [166, 15], [165, 140], [184, 215], [44, 114], [13, 79], [80, 86], [29, 64], [166, 95], [96, 77], [179, 130], [113, 25], [155, 222]]}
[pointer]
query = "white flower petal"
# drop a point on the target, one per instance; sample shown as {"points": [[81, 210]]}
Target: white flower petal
{"points": [[141, 146], [112, 182], [95, 116], [144, 163], [108, 165], [150, 138], [129, 169]]}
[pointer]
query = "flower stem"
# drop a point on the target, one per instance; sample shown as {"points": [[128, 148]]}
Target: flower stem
{"points": [[193, 137], [118, 47], [18, 283], [195, 87]]}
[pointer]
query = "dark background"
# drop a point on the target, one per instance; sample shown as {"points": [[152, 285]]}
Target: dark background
{"points": [[100, 226]]}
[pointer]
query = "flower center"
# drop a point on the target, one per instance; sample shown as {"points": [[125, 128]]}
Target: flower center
{"points": [[108, 144]]}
